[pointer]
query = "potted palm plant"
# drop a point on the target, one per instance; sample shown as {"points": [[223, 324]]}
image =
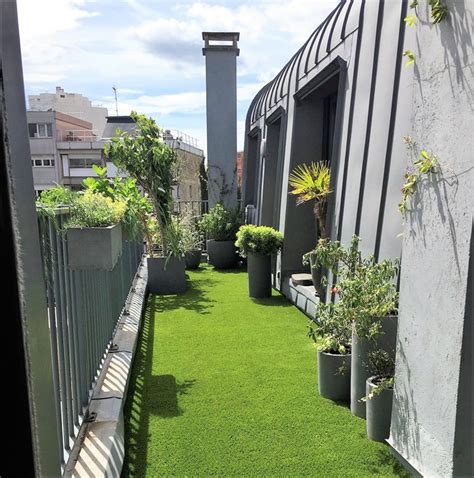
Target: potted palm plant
{"points": [[312, 183], [258, 243], [379, 394], [220, 226], [154, 165], [332, 336]]}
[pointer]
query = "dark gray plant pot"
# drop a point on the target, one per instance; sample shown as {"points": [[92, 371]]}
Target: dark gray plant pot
{"points": [[379, 412], [94, 248], [222, 254], [192, 259], [259, 270], [334, 376], [166, 276], [359, 368], [316, 275]]}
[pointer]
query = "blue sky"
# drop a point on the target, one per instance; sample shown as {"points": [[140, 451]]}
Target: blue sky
{"points": [[151, 50]]}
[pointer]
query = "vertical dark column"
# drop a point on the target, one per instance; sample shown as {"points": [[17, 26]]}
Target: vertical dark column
{"points": [[29, 341]]}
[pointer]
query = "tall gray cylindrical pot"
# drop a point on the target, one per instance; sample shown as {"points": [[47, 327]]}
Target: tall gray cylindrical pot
{"points": [[379, 412], [259, 268], [334, 376], [360, 371]]}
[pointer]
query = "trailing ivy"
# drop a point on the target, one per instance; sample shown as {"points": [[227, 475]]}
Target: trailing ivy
{"points": [[425, 165]]}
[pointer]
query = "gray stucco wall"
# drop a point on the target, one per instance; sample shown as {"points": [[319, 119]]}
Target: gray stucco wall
{"points": [[436, 249], [221, 107]]}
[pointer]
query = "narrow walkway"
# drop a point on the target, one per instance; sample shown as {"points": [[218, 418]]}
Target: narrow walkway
{"points": [[226, 385]]}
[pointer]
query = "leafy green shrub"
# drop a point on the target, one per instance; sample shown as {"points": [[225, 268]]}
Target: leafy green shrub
{"points": [[56, 197], [332, 332], [191, 238], [95, 210], [221, 224], [381, 364], [262, 240], [366, 288], [138, 206]]}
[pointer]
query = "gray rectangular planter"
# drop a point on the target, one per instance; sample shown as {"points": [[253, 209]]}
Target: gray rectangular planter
{"points": [[94, 248], [166, 276]]}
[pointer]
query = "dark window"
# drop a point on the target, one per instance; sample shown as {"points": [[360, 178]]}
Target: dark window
{"points": [[40, 130], [84, 162]]}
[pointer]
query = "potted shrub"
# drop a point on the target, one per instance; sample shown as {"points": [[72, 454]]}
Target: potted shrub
{"points": [[154, 166], [258, 243], [312, 183], [220, 226], [138, 205], [368, 297], [332, 336], [379, 394], [94, 234], [191, 241]]}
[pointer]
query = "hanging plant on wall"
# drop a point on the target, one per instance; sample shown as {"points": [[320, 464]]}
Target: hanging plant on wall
{"points": [[423, 164], [439, 11]]}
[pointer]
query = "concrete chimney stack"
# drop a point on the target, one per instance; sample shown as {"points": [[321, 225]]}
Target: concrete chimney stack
{"points": [[221, 51]]}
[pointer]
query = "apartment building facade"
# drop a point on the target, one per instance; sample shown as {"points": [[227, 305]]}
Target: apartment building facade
{"points": [[73, 104]]}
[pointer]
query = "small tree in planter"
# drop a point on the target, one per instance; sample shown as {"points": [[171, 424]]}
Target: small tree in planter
{"points": [[368, 299], [332, 336], [220, 226], [258, 244], [153, 164], [312, 183], [379, 394]]}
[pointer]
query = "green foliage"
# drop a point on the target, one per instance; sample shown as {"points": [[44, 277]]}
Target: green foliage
{"points": [[138, 206], [312, 183], [174, 237], [410, 20], [95, 210], [439, 11], [425, 165], [332, 331], [365, 288], [152, 163], [56, 197], [382, 365], [221, 224], [262, 240], [410, 56], [191, 237]]}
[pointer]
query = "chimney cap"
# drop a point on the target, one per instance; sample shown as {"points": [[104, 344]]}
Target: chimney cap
{"points": [[220, 41]]}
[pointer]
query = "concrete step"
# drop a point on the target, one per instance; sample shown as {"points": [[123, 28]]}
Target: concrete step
{"points": [[301, 279]]}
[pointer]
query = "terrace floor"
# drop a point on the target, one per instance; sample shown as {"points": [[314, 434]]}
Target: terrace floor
{"points": [[226, 385]]}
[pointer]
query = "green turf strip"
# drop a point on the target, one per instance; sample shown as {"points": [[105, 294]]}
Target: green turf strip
{"points": [[226, 385]]}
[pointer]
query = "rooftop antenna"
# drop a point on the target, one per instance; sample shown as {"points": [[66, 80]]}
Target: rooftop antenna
{"points": [[116, 102]]}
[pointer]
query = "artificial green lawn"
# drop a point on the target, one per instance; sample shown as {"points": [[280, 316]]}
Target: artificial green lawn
{"points": [[226, 385]]}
